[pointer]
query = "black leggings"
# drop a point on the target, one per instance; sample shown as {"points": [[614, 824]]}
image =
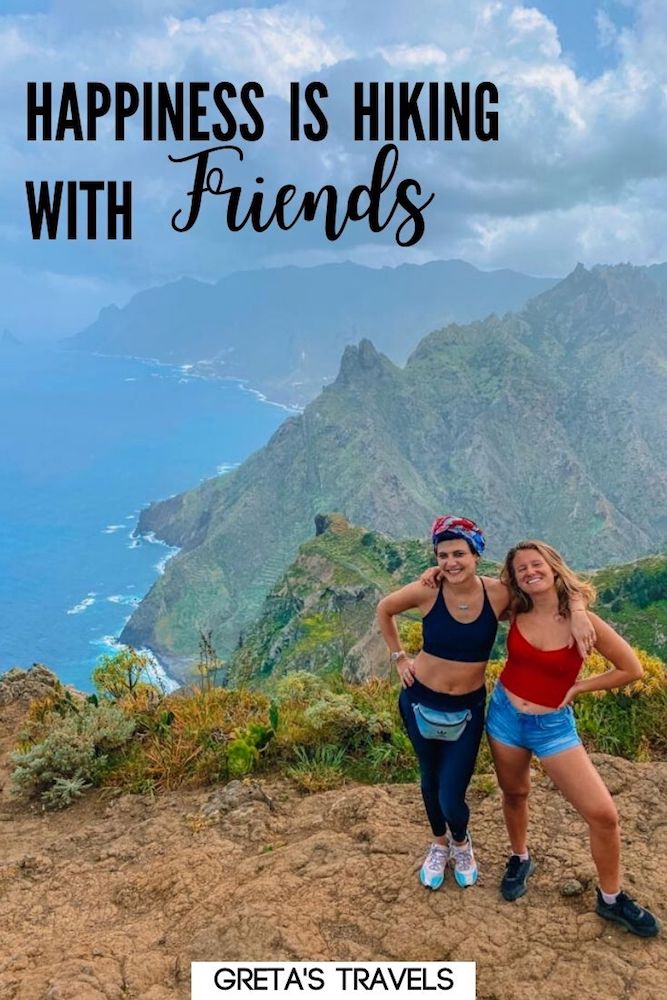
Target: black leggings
{"points": [[446, 767]]}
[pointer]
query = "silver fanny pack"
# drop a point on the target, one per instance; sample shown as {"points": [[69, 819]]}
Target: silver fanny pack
{"points": [[436, 725]]}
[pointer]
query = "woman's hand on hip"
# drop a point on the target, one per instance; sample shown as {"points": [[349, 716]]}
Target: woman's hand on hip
{"points": [[569, 697], [406, 671]]}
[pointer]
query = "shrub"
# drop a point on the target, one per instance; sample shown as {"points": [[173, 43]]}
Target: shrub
{"points": [[74, 751], [119, 675], [392, 760], [300, 686], [319, 769], [410, 634], [199, 737], [313, 714], [630, 721], [334, 719], [244, 750]]}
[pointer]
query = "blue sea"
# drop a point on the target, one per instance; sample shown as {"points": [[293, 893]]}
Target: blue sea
{"points": [[85, 443]]}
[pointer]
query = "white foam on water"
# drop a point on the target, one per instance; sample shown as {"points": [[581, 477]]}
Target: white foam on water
{"points": [[129, 380], [87, 601], [112, 529], [226, 467], [149, 536], [130, 599], [162, 564], [109, 642], [156, 672]]}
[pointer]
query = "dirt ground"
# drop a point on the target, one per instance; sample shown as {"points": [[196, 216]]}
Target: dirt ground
{"points": [[113, 898]]}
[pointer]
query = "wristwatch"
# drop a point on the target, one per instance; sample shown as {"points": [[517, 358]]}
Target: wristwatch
{"points": [[395, 657]]}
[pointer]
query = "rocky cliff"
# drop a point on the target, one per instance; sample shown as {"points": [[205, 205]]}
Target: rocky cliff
{"points": [[115, 897], [550, 423]]}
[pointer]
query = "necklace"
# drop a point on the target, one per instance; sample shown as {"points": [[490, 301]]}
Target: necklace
{"points": [[463, 607]]}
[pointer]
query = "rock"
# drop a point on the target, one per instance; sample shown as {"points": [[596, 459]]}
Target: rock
{"points": [[367, 658], [235, 795], [25, 685], [571, 887]]}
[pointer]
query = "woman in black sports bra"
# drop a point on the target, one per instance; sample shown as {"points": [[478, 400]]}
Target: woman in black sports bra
{"points": [[443, 695]]}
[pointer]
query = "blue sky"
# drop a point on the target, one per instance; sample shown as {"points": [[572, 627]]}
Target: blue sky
{"points": [[580, 34], [578, 173]]}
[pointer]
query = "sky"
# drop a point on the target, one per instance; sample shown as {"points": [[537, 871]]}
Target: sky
{"points": [[578, 173]]}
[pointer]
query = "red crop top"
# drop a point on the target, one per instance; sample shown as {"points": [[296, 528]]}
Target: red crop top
{"points": [[538, 675]]}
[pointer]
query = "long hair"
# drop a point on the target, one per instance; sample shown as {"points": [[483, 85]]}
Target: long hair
{"points": [[568, 584]]}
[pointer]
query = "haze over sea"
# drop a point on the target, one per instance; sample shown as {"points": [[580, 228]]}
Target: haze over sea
{"points": [[86, 442]]}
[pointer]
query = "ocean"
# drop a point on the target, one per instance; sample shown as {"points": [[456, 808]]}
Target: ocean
{"points": [[86, 443]]}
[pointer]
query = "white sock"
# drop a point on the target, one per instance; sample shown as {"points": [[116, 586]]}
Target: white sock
{"points": [[525, 856], [609, 897]]}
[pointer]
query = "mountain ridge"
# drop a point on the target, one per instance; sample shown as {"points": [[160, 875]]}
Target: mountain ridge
{"points": [[283, 329], [515, 421], [320, 615]]}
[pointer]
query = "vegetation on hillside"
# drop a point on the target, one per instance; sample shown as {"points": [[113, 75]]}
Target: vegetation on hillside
{"points": [[325, 603], [314, 729], [468, 425]]}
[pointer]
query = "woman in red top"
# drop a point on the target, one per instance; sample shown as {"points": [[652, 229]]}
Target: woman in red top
{"points": [[531, 712]]}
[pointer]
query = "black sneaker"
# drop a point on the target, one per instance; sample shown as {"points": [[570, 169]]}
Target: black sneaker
{"points": [[516, 875], [633, 917]]}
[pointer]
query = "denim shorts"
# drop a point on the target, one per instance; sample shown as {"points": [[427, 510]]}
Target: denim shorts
{"points": [[545, 734]]}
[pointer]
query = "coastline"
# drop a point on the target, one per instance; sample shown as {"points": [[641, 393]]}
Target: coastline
{"points": [[66, 613], [164, 670], [205, 369]]}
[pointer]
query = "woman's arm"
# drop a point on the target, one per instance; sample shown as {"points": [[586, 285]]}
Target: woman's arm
{"points": [[625, 663], [432, 577], [581, 626], [411, 596]]}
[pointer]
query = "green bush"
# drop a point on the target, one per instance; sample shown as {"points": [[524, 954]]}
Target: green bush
{"points": [[300, 686], [241, 758], [73, 752], [318, 769], [119, 675], [334, 719], [630, 722]]}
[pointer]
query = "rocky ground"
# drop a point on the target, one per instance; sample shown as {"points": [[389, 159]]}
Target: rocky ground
{"points": [[114, 898]]}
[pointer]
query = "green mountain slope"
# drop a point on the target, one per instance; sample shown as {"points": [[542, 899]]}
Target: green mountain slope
{"points": [[320, 615], [634, 600], [284, 329], [550, 423]]}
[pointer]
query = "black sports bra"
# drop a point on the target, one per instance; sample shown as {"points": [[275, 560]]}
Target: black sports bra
{"points": [[467, 642]]}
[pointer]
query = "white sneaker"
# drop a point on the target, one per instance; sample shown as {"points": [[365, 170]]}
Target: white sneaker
{"points": [[432, 872], [465, 868]]}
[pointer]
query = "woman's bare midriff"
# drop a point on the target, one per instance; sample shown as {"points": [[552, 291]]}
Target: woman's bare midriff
{"points": [[448, 676], [527, 706]]}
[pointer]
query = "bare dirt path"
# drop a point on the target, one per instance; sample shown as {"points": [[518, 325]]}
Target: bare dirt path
{"points": [[114, 898]]}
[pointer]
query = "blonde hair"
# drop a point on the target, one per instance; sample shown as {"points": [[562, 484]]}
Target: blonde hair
{"points": [[567, 583]]}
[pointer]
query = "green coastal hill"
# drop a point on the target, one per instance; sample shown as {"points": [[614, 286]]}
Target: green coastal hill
{"points": [[549, 423], [284, 329], [320, 615]]}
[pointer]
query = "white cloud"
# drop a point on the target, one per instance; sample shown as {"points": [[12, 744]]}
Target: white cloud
{"points": [[533, 27], [412, 56], [607, 30], [577, 172]]}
